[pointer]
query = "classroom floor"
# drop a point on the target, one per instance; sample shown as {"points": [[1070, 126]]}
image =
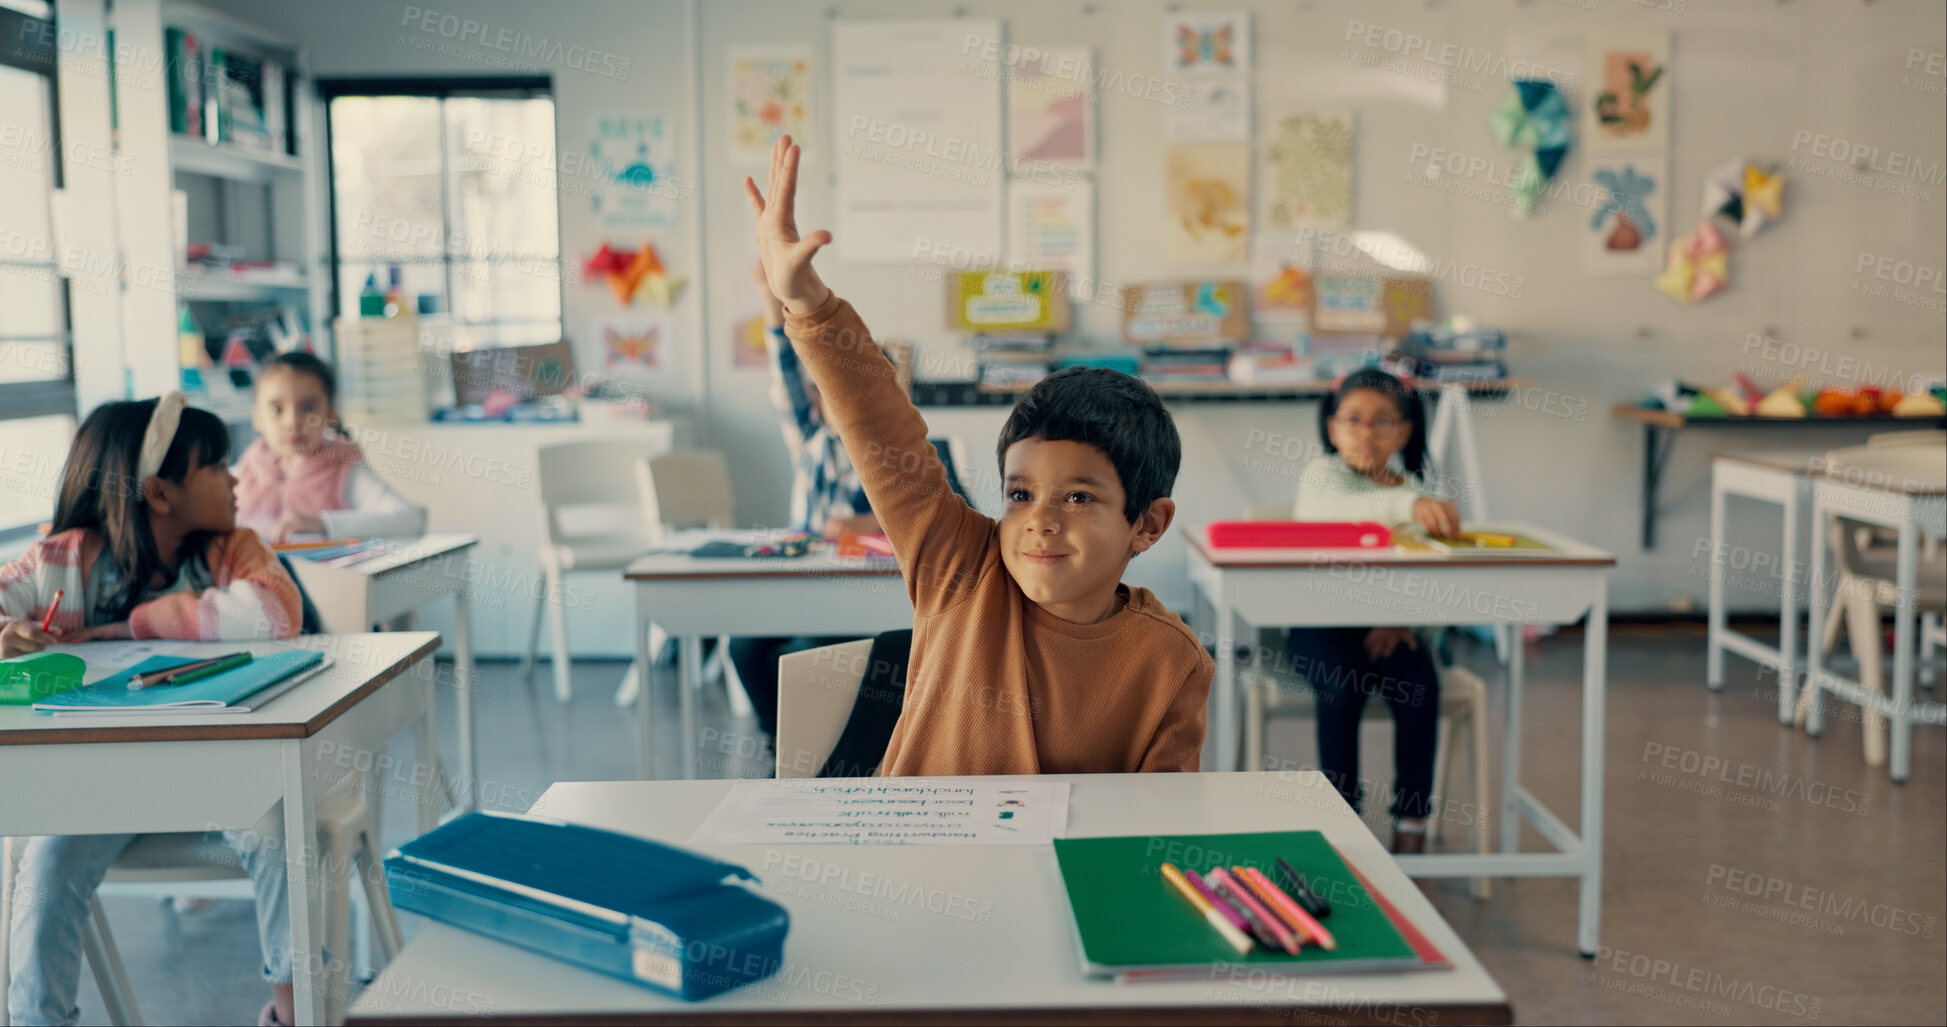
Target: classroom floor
{"points": [[1846, 924]]}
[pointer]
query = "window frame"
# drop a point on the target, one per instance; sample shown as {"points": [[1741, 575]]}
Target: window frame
{"points": [[517, 87], [19, 50]]}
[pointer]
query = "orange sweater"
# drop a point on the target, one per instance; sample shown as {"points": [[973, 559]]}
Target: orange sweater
{"points": [[997, 685]]}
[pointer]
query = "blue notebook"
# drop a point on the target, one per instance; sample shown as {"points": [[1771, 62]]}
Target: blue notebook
{"points": [[233, 691]]}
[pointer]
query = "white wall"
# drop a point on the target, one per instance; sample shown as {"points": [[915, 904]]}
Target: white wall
{"points": [[1748, 77]]}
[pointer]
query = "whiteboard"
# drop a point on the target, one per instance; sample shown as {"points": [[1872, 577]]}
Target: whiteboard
{"points": [[919, 154]]}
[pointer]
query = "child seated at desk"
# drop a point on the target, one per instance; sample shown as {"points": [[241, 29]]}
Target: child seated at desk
{"points": [[302, 476], [1371, 418], [144, 545], [1029, 656]]}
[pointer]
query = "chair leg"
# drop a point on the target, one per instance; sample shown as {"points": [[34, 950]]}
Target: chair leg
{"points": [[98, 944], [7, 850], [534, 633], [625, 696], [1442, 773], [385, 921], [1833, 618], [733, 686], [564, 686], [1862, 623], [1255, 723]]}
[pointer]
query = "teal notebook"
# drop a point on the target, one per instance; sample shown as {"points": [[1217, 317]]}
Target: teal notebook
{"points": [[233, 691], [1133, 925]]}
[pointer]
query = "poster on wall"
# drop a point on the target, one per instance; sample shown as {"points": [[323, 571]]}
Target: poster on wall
{"points": [[1051, 109], [1308, 170], [632, 344], [1206, 44], [770, 96], [1208, 203], [1008, 301], [1215, 111], [917, 108], [1193, 313], [1627, 103], [1626, 232], [1281, 279], [1052, 227], [634, 184]]}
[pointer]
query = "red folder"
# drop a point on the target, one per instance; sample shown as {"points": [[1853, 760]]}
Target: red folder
{"points": [[1299, 535]]}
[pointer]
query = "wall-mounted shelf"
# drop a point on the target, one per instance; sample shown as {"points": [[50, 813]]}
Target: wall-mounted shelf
{"points": [[252, 287], [229, 162]]}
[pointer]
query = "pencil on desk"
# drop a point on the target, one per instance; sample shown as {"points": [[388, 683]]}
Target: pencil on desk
{"points": [[1237, 939]]}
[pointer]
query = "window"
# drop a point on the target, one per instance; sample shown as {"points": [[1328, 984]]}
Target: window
{"points": [[36, 377], [450, 187]]}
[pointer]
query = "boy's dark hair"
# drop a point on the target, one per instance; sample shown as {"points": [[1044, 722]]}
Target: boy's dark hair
{"points": [[100, 491], [1411, 409], [305, 363], [1114, 412]]}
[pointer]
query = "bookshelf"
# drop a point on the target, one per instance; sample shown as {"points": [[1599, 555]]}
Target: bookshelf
{"points": [[217, 117]]}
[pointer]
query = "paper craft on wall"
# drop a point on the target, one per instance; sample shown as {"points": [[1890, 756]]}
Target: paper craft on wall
{"points": [[1193, 313], [634, 186], [1628, 102], [1206, 44], [1699, 266], [747, 343], [1215, 110], [1008, 301], [1208, 192], [770, 96], [1052, 228], [633, 344], [1051, 109], [1281, 278], [1626, 233], [1308, 170], [1536, 118], [1744, 197], [633, 274]]}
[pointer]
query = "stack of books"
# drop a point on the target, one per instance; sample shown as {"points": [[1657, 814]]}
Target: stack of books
{"points": [[1166, 364], [1014, 358], [1446, 355], [224, 97]]}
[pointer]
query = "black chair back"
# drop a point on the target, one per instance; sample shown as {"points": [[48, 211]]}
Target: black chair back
{"points": [[882, 694]]}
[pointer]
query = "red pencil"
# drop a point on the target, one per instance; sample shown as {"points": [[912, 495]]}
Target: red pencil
{"points": [[51, 607]]}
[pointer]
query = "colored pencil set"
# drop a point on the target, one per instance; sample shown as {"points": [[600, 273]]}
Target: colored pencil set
{"points": [[1247, 908]]}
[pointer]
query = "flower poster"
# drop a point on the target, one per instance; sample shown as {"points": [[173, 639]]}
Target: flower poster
{"points": [[1308, 170], [1209, 203], [1627, 231], [770, 96], [1627, 104]]}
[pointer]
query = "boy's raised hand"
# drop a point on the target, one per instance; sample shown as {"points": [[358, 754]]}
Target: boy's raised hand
{"points": [[786, 257]]}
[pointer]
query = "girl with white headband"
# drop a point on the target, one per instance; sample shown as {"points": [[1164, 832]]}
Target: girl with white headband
{"points": [[144, 545]]}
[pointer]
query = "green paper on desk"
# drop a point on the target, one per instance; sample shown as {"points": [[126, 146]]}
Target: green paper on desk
{"points": [[224, 692], [35, 676], [1131, 922]]}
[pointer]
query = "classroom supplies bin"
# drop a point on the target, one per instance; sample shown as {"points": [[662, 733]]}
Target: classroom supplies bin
{"points": [[648, 913]]}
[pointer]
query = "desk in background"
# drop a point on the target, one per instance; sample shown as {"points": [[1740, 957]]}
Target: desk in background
{"points": [[1783, 477], [1004, 952], [1361, 588], [195, 772], [691, 598]]}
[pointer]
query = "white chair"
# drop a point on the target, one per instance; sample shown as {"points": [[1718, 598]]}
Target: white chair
{"points": [[593, 521], [686, 489], [816, 689], [199, 865], [1463, 710]]}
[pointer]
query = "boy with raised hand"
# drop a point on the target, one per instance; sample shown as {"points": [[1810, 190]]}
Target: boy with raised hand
{"points": [[1029, 655]]}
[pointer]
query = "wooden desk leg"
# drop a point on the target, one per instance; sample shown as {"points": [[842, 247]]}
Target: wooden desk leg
{"points": [[1511, 750], [1595, 689], [686, 685], [464, 683], [645, 735], [303, 886]]}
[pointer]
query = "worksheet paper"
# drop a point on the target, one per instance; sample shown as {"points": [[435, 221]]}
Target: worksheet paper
{"points": [[889, 811], [106, 659]]}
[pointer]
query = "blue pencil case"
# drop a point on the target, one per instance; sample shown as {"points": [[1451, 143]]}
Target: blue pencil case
{"points": [[648, 913]]}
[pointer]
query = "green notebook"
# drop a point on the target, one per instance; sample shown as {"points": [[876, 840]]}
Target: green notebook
{"points": [[1132, 924]]}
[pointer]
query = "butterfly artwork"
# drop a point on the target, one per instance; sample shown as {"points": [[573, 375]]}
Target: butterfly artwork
{"points": [[1207, 44], [632, 346]]}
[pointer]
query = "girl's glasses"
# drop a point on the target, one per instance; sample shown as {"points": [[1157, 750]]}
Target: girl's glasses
{"points": [[1377, 425]]}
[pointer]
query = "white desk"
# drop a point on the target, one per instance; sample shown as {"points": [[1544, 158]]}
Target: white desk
{"points": [[988, 940], [815, 594], [1360, 588], [1912, 509], [416, 574], [191, 772], [1783, 477]]}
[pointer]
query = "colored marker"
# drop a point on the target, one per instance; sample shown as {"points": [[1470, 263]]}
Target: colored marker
{"points": [[1317, 930], [1202, 905], [1280, 903], [1232, 887], [1297, 887], [1224, 909], [51, 607]]}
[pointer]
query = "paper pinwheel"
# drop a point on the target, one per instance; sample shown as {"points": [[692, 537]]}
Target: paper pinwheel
{"points": [[1534, 116], [1742, 194]]}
